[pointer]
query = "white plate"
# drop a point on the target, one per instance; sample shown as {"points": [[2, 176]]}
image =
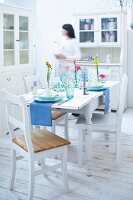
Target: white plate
{"points": [[48, 99]]}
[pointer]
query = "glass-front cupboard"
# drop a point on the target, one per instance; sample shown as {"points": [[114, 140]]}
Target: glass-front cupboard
{"points": [[16, 36], [98, 30], [103, 34], [16, 50]]}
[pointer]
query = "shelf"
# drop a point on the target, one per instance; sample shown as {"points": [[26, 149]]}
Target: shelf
{"points": [[8, 30], [103, 45], [23, 49], [101, 64], [109, 30], [8, 49], [21, 31], [86, 31]]}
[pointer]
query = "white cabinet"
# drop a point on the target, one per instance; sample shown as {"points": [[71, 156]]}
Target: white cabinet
{"points": [[103, 34], [98, 30], [16, 35], [16, 47]]}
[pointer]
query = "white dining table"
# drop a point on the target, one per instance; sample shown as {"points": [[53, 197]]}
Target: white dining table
{"points": [[85, 104]]}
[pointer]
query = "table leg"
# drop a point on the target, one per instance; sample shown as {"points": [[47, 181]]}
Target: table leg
{"points": [[88, 138]]}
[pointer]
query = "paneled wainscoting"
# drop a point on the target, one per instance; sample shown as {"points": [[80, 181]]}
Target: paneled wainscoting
{"points": [[106, 183]]}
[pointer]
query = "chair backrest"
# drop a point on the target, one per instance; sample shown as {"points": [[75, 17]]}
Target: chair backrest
{"points": [[122, 96], [15, 121], [30, 81]]}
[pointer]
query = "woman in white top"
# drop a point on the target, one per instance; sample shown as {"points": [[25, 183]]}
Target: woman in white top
{"points": [[68, 52], [69, 48]]}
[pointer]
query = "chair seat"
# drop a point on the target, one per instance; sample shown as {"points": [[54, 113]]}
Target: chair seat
{"points": [[57, 115], [99, 119], [108, 118], [41, 140]]}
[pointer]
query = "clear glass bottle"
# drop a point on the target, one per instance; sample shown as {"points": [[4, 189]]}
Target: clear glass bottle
{"points": [[34, 88]]}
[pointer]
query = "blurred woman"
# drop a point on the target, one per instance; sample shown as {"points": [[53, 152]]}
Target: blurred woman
{"points": [[69, 48], [68, 52]]}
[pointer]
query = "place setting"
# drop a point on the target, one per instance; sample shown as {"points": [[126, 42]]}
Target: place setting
{"points": [[47, 96], [97, 87]]}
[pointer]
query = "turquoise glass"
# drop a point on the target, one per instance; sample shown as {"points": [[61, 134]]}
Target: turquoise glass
{"points": [[57, 85], [70, 92]]}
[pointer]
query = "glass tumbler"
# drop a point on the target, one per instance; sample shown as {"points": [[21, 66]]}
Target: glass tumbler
{"points": [[70, 92]]}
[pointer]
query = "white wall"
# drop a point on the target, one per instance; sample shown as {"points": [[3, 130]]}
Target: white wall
{"points": [[51, 15]]}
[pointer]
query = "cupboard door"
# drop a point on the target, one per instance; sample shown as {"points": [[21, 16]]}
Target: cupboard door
{"points": [[8, 39], [109, 32], [23, 40], [86, 30], [17, 39]]}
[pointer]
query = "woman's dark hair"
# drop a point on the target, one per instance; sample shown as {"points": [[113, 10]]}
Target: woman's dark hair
{"points": [[69, 29]]}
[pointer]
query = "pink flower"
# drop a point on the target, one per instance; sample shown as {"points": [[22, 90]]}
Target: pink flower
{"points": [[102, 75], [78, 68]]}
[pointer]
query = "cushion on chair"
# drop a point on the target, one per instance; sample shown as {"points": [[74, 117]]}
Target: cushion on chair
{"points": [[41, 140], [57, 115]]}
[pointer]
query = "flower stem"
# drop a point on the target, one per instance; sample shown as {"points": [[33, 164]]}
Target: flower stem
{"points": [[97, 72], [76, 77]]}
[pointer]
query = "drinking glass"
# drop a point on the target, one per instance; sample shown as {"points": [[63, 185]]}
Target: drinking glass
{"points": [[70, 92], [34, 89], [57, 85]]}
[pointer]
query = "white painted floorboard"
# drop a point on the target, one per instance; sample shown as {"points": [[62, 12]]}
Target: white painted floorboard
{"points": [[106, 183]]}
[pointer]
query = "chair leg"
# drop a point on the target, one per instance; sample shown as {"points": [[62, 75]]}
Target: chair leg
{"points": [[53, 131], [53, 127], [13, 169], [64, 170], [118, 148], [66, 128], [106, 139], [31, 180], [80, 145], [43, 167]]}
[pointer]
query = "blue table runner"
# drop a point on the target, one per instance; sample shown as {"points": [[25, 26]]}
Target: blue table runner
{"points": [[40, 113], [106, 94], [106, 100]]}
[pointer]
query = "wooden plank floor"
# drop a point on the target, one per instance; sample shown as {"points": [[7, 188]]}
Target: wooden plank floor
{"points": [[106, 183]]}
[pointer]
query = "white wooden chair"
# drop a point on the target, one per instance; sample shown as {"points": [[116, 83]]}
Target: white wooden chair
{"points": [[108, 123], [29, 82], [35, 145], [57, 117]]}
